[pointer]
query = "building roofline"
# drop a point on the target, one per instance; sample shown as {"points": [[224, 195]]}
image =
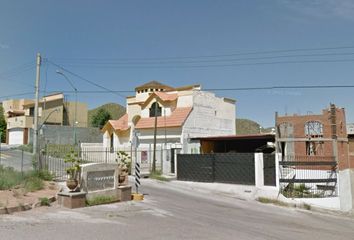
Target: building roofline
{"points": [[238, 137]]}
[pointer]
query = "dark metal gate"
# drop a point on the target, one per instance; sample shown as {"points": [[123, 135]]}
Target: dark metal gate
{"points": [[269, 169], [235, 168]]}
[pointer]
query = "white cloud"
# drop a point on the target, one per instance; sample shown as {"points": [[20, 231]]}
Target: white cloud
{"points": [[323, 8], [4, 46]]}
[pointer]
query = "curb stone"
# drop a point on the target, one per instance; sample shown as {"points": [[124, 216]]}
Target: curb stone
{"points": [[25, 207]]}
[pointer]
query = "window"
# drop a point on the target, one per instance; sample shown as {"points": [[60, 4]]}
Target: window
{"points": [[31, 111], [158, 110], [112, 141], [313, 129]]}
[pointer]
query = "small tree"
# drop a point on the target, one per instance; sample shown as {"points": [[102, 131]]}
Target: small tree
{"points": [[2, 124], [100, 118]]}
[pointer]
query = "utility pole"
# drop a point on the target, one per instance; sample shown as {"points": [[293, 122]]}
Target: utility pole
{"points": [[155, 133], [36, 103]]}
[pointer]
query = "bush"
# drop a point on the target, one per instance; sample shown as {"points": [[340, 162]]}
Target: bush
{"points": [[44, 201], [100, 200], [9, 178], [158, 176], [31, 181], [32, 184]]}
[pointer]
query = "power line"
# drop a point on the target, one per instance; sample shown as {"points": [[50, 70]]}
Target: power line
{"points": [[229, 89], [216, 65], [216, 60], [220, 55], [84, 79], [17, 95]]}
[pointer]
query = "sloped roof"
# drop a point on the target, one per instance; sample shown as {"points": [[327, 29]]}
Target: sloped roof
{"points": [[160, 95], [176, 119], [121, 124], [154, 84]]}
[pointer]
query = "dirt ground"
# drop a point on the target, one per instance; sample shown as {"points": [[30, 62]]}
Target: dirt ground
{"points": [[17, 197]]}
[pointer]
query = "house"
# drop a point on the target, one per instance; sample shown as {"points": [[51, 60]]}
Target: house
{"points": [[316, 136], [52, 110], [182, 113]]}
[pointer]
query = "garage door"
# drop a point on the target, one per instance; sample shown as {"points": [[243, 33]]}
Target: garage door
{"points": [[15, 136]]}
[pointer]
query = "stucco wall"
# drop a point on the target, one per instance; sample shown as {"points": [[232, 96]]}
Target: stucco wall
{"points": [[211, 116]]}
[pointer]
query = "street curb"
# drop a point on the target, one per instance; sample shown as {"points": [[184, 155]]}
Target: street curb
{"points": [[25, 207], [295, 205]]}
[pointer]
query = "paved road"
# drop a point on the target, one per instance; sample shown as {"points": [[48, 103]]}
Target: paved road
{"points": [[13, 158], [173, 214]]}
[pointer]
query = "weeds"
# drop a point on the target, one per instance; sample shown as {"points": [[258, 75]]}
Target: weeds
{"points": [[272, 201], [44, 201], [100, 200], [158, 176], [31, 181]]}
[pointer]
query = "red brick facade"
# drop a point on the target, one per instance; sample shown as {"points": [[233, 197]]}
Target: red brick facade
{"points": [[315, 135]]}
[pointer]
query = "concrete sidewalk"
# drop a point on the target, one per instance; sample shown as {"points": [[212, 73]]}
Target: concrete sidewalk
{"points": [[252, 193]]}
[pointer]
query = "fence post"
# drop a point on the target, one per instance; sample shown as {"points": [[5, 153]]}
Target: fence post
{"points": [[259, 169], [278, 157], [22, 162]]}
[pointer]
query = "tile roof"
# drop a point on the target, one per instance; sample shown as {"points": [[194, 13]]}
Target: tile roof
{"points": [[166, 97], [120, 124], [154, 84], [176, 119]]}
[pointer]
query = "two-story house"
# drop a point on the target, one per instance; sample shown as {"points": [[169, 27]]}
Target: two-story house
{"points": [[52, 110], [182, 113]]}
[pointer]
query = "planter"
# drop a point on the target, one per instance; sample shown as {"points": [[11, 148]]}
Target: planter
{"points": [[72, 184]]}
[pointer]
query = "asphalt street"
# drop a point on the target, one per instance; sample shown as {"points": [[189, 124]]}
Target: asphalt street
{"points": [[175, 214]]}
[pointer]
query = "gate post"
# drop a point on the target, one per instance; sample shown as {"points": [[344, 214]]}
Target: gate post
{"points": [[278, 158], [258, 168]]}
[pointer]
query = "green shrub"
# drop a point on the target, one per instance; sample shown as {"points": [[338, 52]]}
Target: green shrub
{"points": [[158, 176], [44, 201], [9, 178], [42, 174], [100, 200], [32, 184]]}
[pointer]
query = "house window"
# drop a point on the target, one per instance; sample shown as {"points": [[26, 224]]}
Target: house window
{"points": [[313, 129], [31, 111], [314, 148], [112, 141], [152, 110]]}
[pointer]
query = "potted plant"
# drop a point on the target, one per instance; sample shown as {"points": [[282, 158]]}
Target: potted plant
{"points": [[73, 171], [124, 163]]}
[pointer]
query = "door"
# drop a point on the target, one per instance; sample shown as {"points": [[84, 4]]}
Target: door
{"points": [[15, 136]]}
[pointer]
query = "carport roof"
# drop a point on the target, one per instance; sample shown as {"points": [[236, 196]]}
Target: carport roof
{"points": [[265, 136]]}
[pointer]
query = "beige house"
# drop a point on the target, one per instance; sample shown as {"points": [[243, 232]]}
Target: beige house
{"points": [[52, 110], [182, 113]]}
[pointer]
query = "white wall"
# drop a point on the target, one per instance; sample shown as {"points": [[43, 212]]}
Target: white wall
{"points": [[211, 116]]}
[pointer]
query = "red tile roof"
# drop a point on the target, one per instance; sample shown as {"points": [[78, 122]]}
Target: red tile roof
{"points": [[166, 97], [120, 124], [176, 119]]}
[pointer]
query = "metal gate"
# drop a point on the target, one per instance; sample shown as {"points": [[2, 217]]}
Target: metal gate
{"points": [[237, 168], [269, 169]]}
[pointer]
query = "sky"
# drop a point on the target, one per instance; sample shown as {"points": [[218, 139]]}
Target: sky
{"points": [[228, 44]]}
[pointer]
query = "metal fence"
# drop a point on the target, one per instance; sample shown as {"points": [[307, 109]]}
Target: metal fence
{"points": [[235, 168], [17, 159], [308, 176], [53, 157]]}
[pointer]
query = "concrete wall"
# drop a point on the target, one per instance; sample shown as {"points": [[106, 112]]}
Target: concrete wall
{"points": [[64, 134], [346, 189], [211, 116]]}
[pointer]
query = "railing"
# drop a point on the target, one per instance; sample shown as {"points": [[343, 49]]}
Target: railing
{"points": [[308, 176]]}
